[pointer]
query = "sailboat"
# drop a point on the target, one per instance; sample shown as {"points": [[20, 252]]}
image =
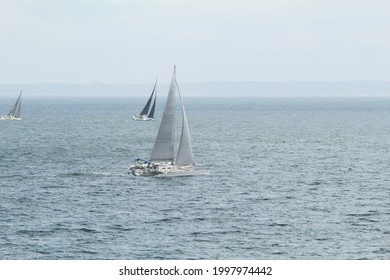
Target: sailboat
{"points": [[162, 162], [14, 113], [146, 114]]}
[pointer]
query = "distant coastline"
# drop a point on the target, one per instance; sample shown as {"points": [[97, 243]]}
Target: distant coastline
{"points": [[207, 88]]}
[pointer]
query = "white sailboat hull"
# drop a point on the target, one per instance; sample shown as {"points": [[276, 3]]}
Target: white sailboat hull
{"points": [[10, 118], [166, 170], [141, 118], [185, 173]]}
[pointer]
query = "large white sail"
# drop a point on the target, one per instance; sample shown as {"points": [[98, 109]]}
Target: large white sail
{"points": [[163, 149], [184, 154]]}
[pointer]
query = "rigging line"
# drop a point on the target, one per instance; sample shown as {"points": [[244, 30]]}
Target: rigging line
{"points": [[177, 85]]}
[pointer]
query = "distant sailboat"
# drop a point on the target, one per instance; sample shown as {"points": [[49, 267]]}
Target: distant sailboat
{"points": [[146, 114], [162, 161], [14, 113]]}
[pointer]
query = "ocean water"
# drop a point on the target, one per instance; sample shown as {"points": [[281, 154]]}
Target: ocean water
{"points": [[291, 178]]}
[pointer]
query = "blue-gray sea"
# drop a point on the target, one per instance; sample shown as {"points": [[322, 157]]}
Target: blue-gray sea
{"points": [[291, 178]]}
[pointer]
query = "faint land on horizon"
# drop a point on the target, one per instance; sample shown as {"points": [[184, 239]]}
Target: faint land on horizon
{"points": [[206, 88]]}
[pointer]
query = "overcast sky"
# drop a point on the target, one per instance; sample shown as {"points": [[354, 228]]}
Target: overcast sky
{"points": [[135, 41]]}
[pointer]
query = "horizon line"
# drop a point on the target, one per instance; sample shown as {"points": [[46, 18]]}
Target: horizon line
{"points": [[197, 82]]}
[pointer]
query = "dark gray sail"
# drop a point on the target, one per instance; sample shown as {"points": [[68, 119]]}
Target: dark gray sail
{"points": [[15, 110], [18, 108], [163, 149], [145, 110], [151, 113]]}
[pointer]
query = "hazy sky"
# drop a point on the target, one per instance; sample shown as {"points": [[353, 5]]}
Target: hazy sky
{"points": [[135, 41]]}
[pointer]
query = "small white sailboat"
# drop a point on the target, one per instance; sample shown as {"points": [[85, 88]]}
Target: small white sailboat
{"points": [[162, 162], [14, 113], [146, 114]]}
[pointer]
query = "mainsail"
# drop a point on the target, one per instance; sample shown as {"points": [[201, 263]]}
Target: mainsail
{"points": [[163, 149]]}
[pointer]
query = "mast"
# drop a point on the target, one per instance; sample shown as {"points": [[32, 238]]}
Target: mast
{"points": [[163, 148]]}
